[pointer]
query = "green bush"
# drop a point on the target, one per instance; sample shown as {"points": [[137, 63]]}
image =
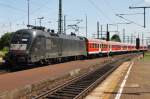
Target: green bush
{"points": [[5, 50], [115, 38], [4, 40], [1, 54]]}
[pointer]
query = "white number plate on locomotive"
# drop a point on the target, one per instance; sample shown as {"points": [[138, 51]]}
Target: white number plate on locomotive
{"points": [[18, 46]]}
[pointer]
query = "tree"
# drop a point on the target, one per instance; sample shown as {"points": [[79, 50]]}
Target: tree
{"points": [[4, 40], [116, 38]]}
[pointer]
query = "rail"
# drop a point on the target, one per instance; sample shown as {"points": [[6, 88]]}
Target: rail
{"points": [[79, 87]]}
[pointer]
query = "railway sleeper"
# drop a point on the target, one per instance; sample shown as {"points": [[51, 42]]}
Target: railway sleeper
{"points": [[88, 79], [68, 92], [73, 90], [64, 95], [75, 87], [81, 85], [53, 97], [84, 82]]}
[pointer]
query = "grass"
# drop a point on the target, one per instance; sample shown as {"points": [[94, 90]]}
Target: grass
{"points": [[147, 56]]}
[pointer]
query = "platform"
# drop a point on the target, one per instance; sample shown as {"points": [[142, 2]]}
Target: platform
{"points": [[136, 83], [130, 81]]}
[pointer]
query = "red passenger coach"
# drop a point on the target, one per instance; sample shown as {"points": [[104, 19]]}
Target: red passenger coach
{"points": [[105, 46], [115, 46], [96, 46], [124, 47], [93, 46]]}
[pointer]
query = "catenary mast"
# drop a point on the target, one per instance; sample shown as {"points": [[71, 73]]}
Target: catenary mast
{"points": [[60, 17]]}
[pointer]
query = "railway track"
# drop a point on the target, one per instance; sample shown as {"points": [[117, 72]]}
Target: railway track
{"points": [[79, 87]]}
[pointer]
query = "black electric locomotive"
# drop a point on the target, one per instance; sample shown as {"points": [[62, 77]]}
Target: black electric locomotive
{"points": [[36, 45]]}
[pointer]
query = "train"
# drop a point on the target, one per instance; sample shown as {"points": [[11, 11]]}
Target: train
{"points": [[37, 45]]}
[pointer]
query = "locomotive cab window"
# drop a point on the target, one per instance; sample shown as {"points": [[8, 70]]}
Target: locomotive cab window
{"points": [[21, 38], [26, 38]]}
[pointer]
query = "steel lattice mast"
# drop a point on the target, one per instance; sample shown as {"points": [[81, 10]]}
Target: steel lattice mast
{"points": [[60, 17]]}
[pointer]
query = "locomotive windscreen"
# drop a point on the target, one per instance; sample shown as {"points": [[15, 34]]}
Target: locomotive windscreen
{"points": [[20, 41], [21, 38]]}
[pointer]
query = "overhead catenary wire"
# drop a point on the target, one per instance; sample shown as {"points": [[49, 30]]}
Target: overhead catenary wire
{"points": [[24, 11], [137, 3], [110, 7], [129, 20], [12, 7], [130, 14], [98, 8]]}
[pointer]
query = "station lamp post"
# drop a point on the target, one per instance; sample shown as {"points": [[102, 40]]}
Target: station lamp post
{"points": [[40, 20], [28, 12]]}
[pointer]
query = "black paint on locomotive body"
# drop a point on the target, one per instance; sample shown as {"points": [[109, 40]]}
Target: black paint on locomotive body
{"points": [[32, 45]]}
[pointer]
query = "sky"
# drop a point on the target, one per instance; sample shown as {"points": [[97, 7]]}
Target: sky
{"points": [[13, 15]]}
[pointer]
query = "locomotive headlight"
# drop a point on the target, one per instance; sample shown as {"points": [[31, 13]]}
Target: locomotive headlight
{"points": [[27, 52], [34, 33]]}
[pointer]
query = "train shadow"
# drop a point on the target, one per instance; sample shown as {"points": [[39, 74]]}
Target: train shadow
{"points": [[2, 67], [16, 68]]}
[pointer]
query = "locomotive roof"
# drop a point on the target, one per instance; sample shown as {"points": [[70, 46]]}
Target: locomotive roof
{"points": [[50, 34]]}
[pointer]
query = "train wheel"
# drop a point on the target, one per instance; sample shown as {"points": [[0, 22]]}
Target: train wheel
{"points": [[49, 61], [41, 62]]}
